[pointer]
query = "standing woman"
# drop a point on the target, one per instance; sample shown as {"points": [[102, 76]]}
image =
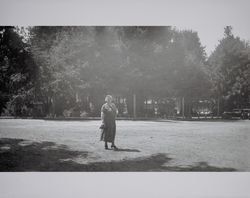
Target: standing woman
{"points": [[108, 115]]}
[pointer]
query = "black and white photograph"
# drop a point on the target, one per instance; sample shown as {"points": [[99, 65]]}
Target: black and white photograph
{"points": [[123, 98]]}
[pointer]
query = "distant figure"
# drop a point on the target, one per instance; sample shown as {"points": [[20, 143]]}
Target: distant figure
{"points": [[108, 115]]}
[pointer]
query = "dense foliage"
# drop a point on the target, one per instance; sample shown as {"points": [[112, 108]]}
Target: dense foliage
{"points": [[230, 69], [63, 68], [17, 72]]}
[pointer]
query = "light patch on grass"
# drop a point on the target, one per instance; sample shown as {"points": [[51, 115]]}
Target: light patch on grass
{"points": [[25, 143], [54, 147], [5, 148]]}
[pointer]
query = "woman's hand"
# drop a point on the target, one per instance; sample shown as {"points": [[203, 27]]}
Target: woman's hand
{"points": [[108, 108]]}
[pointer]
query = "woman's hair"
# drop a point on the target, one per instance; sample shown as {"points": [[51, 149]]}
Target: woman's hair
{"points": [[108, 97]]}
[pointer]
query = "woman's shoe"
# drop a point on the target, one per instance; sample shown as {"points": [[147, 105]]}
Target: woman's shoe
{"points": [[114, 147]]}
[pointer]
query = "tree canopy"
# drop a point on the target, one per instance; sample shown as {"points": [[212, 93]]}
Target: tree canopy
{"points": [[229, 70], [58, 66]]}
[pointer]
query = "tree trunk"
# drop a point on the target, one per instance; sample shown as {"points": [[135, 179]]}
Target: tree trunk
{"points": [[134, 105]]}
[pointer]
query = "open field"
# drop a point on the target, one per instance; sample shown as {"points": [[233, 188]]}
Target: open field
{"points": [[39, 145]]}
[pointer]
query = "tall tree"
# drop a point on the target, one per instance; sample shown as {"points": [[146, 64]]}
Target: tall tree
{"points": [[17, 71], [151, 62], [229, 69]]}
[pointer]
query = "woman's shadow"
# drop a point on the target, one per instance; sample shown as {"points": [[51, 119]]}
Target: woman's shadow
{"points": [[126, 150]]}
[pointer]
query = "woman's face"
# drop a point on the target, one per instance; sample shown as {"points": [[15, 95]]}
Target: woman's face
{"points": [[109, 100]]}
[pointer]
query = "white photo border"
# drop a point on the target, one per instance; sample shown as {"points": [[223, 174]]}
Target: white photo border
{"points": [[179, 13]]}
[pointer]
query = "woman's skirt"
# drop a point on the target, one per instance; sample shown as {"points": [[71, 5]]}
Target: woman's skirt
{"points": [[109, 131]]}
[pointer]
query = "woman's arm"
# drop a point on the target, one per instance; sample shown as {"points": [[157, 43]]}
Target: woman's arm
{"points": [[115, 109], [102, 116], [102, 113]]}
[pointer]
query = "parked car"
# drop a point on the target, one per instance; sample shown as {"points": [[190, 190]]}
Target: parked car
{"points": [[205, 113], [245, 114], [237, 113]]}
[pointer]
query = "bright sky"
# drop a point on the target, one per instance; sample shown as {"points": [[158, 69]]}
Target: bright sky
{"points": [[209, 18], [210, 39]]}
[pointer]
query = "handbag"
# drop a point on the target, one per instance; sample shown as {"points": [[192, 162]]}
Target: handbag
{"points": [[102, 126]]}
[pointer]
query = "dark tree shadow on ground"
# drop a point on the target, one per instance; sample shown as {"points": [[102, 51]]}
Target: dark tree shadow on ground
{"points": [[15, 155], [36, 156]]}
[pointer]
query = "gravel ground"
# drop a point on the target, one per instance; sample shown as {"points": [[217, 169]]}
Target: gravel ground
{"points": [[186, 143]]}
